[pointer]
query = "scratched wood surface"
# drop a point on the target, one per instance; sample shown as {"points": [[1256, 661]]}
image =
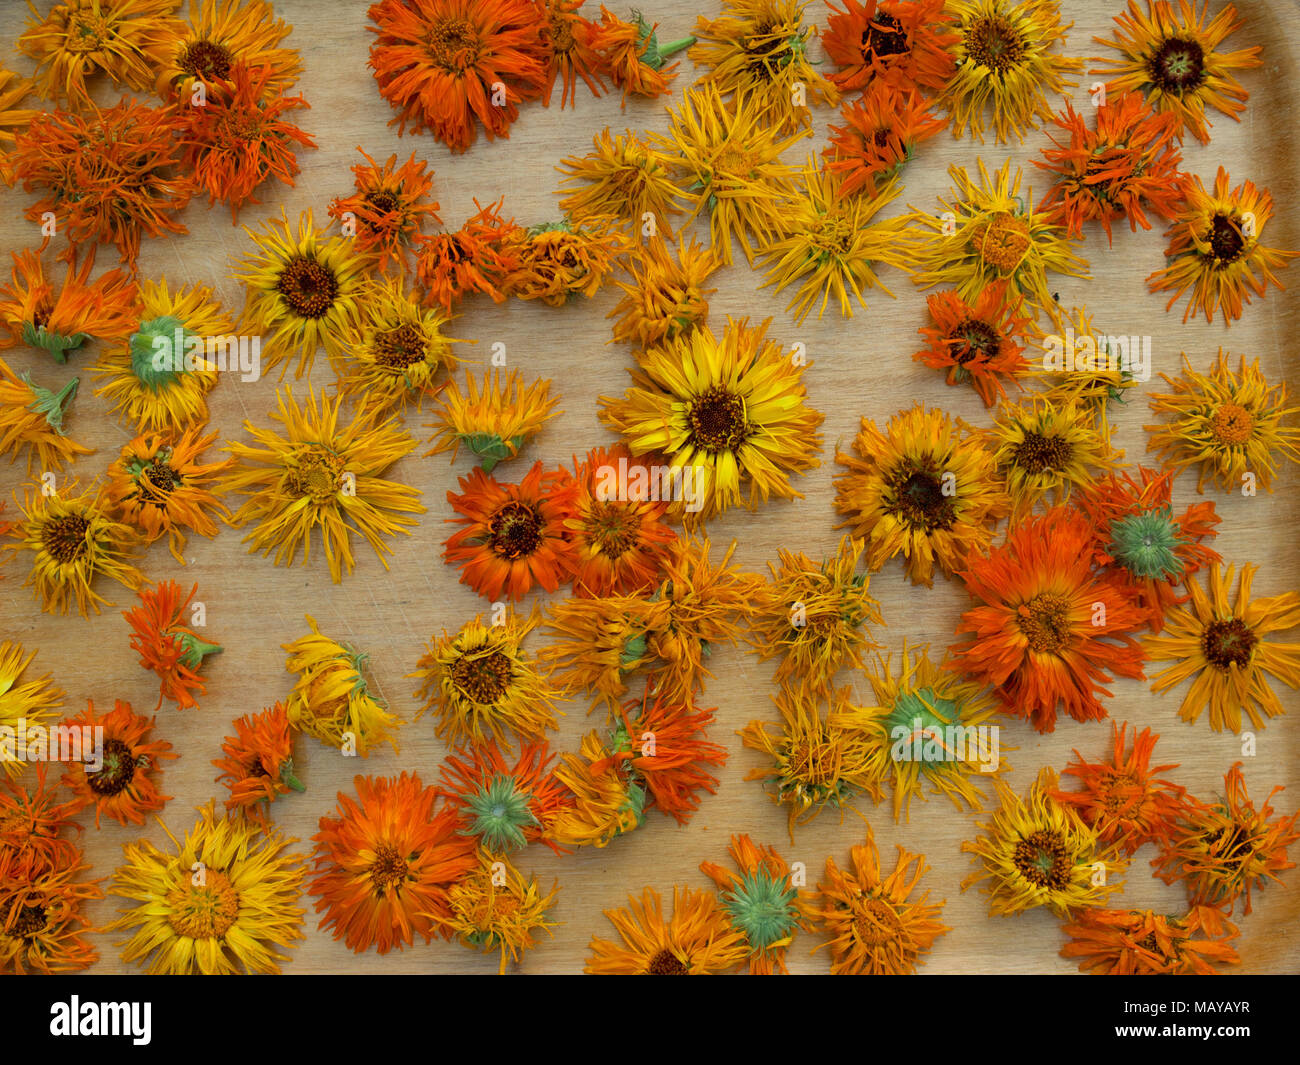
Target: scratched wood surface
{"points": [[860, 367]]}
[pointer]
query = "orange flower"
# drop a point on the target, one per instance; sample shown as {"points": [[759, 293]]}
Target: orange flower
{"points": [[514, 535], [388, 209], [555, 262], [980, 343], [258, 763], [881, 130], [31, 419], [440, 64], [630, 53], [1125, 802], [1143, 943], [31, 313], [383, 867], [41, 920], [567, 38], [904, 43], [475, 258], [32, 824], [125, 786], [1047, 629], [166, 646]]}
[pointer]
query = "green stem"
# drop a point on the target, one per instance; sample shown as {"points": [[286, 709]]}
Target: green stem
{"points": [[51, 404]]}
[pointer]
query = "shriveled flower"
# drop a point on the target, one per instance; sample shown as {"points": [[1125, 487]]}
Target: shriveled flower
{"points": [[14, 89], [122, 780], [981, 342], [623, 177], [474, 258], [630, 55], [163, 636], [600, 804], [566, 36], [557, 261], [665, 295], [34, 700], [43, 926], [1145, 943], [904, 43], [217, 35], [505, 804], [33, 313], [600, 641], [697, 940], [258, 764], [493, 420], [881, 131], [31, 422], [34, 824], [1081, 365], [495, 907], [387, 213]]}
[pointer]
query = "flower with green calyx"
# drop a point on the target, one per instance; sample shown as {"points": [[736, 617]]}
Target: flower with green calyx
{"points": [[652, 53], [51, 404], [926, 714], [763, 907], [146, 350], [55, 343], [1146, 544], [195, 650], [491, 448], [286, 775], [500, 813]]}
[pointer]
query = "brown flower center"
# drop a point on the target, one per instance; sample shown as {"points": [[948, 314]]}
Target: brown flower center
{"points": [[972, 340], [1228, 643], [875, 922], [1001, 242], [26, 923], [1043, 859], [1177, 66], [207, 60], [401, 347], [1225, 239], [206, 910], [452, 44], [1045, 621], [383, 200], [1232, 423], [613, 528], [117, 771], [388, 869], [484, 678], [666, 963], [515, 530], [993, 43], [883, 37], [157, 481], [1040, 454], [65, 537], [717, 420], [308, 287], [315, 471], [916, 495]]}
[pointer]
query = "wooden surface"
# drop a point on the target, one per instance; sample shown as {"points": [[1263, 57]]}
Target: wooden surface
{"points": [[860, 367]]}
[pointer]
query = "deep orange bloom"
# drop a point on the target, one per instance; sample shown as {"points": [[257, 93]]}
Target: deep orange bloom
{"points": [[383, 866], [41, 920], [453, 65], [981, 343], [631, 55], [475, 258], [32, 826], [125, 786], [904, 42], [1124, 800], [388, 209], [514, 535], [258, 762], [165, 643], [567, 36], [1143, 943], [1047, 630], [554, 262], [881, 130], [32, 313]]}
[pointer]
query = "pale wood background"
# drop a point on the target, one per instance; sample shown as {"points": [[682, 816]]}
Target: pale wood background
{"points": [[861, 367]]}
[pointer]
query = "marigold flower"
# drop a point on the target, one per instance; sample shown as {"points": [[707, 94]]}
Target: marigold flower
{"points": [[1081, 365], [32, 820], [14, 88], [601, 805], [125, 786], [42, 926], [161, 635], [32, 313], [554, 262], [34, 701], [599, 641], [504, 807], [493, 420], [1144, 943], [979, 342], [389, 208], [630, 54], [697, 940], [566, 36], [475, 258], [258, 763], [623, 177], [665, 298], [220, 34], [31, 420], [906, 43], [881, 131], [491, 913]]}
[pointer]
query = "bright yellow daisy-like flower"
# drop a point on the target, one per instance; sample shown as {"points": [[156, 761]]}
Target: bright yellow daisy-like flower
{"points": [[331, 699], [320, 475], [493, 420], [34, 701], [1172, 56], [623, 177], [1222, 649], [730, 157], [666, 295], [219, 34], [934, 730], [926, 488], [495, 907], [31, 420], [225, 903], [302, 292], [728, 413], [1226, 424], [989, 233], [602, 804], [759, 49], [1036, 852], [1215, 250], [481, 685], [159, 378], [73, 540], [829, 245], [697, 940], [1007, 61]]}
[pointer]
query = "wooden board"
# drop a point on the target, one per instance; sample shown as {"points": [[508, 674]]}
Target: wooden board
{"points": [[860, 367]]}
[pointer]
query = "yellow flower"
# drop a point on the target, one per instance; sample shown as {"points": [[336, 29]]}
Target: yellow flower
{"points": [[605, 804], [1084, 366], [697, 940], [31, 420], [224, 904], [495, 908], [1222, 647], [319, 475], [665, 298], [13, 119], [331, 699], [624, 178], [219, 34], [494, 420], [33, 701], [597, 642]]}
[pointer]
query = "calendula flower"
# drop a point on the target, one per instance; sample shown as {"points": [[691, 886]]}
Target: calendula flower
{"points": [[220, 34], [1081, 365], [14, 88], [556, 261], [1222, 646], [931, 729], [1036, 852], [158, 486], [665, 298], [729, 413], [598, 641], [384, 865], [513, 536], [872, 923], [31, 421], [242, 137], [125, 784], [906, 43], [926, 488], [1144, 943], [504, 806], [566, 37], [34, 701], [493, 420], [439, 64], [1215, 250], [1130, 161], [815, 617], [630, 54], [697, 940], [981, 342], [331, 698], [988, 233], [389, 209], [617, 527], [729, 160], [881, 131], [1145, 547], [318, 474], [33, 313], [80, 38], [73, 540], [759, 48], [258, 763], [1046, 449], [159, 377], [817, 758], [225, 903], [475, 258], [42, 926], [481, 685], [1047, 630], [1124, 799], [32, 820], [761, 901], [301, 292], [623, 177], [1173, 57], [600, 805], [110, 175], [1224, 851], [1226, 424], [399, 351], [161, 634], [494, 907], [1006, 60]]}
